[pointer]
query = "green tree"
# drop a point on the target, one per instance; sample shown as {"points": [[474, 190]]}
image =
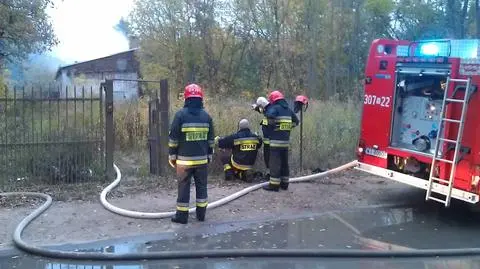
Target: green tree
{"points": [[24, 29], [313, 46]]}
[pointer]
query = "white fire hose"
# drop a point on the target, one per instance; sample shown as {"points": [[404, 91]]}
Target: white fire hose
{"points": [[159, 215]]}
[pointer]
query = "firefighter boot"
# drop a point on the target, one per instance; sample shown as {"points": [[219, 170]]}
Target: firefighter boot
{"points": [[284, 183], [201, 211], [273, 184], [229, 175], [272, 187], [180, 217], [248, 176]]}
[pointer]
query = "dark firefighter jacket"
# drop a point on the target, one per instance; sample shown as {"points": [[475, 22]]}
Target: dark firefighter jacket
{"points": [[244, 145], [281, 120], [265, 128], [191, 137]]}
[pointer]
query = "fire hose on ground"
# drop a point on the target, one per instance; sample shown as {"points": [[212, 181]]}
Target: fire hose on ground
{"points": [[233, 253], [147, 215]]}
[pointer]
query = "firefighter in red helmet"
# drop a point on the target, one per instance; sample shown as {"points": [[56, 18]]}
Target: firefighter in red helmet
{"points": [[281, 120], [191, 142]]}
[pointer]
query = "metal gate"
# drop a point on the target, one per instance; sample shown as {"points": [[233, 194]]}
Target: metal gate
{"points": [[158, 119], [158, 124], [51, 135]]}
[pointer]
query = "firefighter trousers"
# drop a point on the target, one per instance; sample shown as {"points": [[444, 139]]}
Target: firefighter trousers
{"points": [[266, 156], [279, 168], [184, 176]]}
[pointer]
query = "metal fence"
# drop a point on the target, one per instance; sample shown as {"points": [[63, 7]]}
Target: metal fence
{"points": [[48, 137]]}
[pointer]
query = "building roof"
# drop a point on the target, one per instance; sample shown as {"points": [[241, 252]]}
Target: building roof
{"points": [[124, 61]]}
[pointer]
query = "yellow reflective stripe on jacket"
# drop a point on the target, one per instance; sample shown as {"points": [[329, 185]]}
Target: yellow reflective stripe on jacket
{"points": [[192, 160], [283, 120], [240, 166], [195, 124], [246, 141], [195, 129], [284, 123], [227, 167]]}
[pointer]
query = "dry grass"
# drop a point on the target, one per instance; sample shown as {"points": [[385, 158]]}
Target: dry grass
{"points": [[330, 130], [131, 125], [330, 133]]}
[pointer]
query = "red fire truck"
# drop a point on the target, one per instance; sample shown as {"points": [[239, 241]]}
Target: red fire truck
{"points": [[421, 116]]}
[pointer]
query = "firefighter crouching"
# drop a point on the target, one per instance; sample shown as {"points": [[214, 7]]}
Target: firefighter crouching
{"points": [[281, 120], [191, 141], [261, 106], [244, 146]]}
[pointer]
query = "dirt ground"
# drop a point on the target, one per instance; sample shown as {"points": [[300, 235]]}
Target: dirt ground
{"points": [[84, 219]]}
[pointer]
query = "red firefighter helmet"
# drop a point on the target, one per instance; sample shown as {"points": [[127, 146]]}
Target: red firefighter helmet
{"points": [[302, 99], [275, 96], [193, 90]]}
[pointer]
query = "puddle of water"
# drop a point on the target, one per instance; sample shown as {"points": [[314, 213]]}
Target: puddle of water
{"points": [[305, 233], [424, 226]]}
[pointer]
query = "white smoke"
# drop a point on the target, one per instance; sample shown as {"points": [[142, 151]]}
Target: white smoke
{"points": [[85, 28]]}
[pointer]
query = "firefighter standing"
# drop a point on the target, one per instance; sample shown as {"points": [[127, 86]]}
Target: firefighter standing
{"points": [[244, 146], [261, 106], [191, 142], [281, 120]]}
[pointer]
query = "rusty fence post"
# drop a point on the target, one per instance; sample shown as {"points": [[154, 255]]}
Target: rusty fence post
{"points": [[109, 130], [164, 124], [153, 135]]}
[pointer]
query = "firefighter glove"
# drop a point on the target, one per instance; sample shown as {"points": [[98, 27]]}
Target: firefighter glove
{"points": [[216, 139], [259, 109], [172, 163]]}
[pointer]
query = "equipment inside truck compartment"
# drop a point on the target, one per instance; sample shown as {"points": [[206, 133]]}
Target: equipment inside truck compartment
{"points": [[418, 104]]}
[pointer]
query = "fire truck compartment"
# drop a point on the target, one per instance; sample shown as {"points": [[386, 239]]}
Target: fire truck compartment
{"points": [[417, 108]]}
